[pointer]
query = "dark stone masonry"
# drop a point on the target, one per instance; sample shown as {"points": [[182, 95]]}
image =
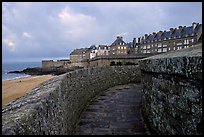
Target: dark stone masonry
{"points": [[172, 92]]}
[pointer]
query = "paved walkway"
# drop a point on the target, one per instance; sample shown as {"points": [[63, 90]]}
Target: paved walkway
{"points": [[115, 112]]}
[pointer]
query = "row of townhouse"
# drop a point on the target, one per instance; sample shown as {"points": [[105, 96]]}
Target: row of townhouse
{"points": [[118, 47], [164, 41]]}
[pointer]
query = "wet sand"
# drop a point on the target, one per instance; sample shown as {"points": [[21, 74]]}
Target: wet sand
{"points": [[12, 89]]}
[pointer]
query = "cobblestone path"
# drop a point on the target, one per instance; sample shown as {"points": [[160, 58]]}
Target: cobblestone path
{"points": [[115, 112]]}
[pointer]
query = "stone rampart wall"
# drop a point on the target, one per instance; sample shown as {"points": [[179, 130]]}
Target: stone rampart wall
{"points": [[172, 92], [55, 106]]}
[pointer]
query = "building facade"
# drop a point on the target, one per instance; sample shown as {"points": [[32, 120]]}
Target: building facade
{"points": [[119, 47], [164, 41], [77, 56], [103, 50]]}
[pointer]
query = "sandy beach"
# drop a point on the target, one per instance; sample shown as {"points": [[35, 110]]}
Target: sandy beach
{"points": [[12, 89]]}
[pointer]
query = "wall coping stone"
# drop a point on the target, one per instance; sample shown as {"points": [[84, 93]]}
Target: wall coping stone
{"points": [[186, 62]]}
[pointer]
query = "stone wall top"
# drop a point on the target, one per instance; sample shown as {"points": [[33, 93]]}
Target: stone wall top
{"points": [[186, 62]]}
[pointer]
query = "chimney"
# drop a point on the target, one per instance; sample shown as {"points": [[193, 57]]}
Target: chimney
{"points": [[160, 33], [142, 39], [139, 40], [134, 42], [180, 28], [120, 37], [171, 30], [194, 25], [154, 34], [146, 35]]}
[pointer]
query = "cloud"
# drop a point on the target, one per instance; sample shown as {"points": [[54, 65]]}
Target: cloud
{"points": [[9, 44], [26, 35], [76, 26]]}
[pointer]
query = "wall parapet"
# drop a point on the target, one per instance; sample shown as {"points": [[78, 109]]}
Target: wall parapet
{"points": [[186, 62], [172, 91], [55, 106]]}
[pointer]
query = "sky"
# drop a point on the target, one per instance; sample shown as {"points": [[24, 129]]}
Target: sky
{"points": [[33, 31]]}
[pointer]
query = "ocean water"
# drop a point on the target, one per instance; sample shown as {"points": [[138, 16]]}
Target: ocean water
{"points": [[16, 66]]}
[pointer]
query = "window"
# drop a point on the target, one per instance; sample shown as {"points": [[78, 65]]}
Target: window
{"points": [[118, 51], [118, 47], [192, 40], [180, 43], [164, 49], [165, 45], [159, 45], [144, 51], [113, 49], [121, 47], [123, 43], [174, 48], [144, 47], [159, 50], [113, 53], [148, 51], [124, 47], [148, 46], [187, 41]]}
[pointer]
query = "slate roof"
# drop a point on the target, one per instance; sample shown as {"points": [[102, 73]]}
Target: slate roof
{"points": [[79, 51], [92, 47], [129, 44], [103, 46], [118, 41], [176, 33]]}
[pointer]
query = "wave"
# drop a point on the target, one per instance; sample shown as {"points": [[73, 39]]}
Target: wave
{"points": [[16, 77]]}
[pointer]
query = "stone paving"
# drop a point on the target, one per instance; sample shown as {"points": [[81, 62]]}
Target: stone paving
{"points": [[115, 112]]}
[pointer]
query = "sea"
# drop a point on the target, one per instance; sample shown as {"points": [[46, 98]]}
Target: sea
{"points": [[16, 66]]}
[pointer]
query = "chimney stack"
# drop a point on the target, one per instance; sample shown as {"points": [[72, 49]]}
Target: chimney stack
{"points": [[139, 40], [146, 35], [134, 42], [119, 37], [180, 28], [171, 30], [154, 34], [160, 33], [194, 25]]}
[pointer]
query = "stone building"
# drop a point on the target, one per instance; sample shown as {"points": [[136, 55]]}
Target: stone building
{"points": [[118, 47], [50, 64], [93, 52], [103, 50], [77, 56], [174, 39]]}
